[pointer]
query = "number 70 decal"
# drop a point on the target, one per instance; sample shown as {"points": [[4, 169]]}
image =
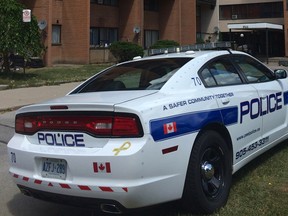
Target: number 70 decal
{"points": [[13, 157], [196, 81]]}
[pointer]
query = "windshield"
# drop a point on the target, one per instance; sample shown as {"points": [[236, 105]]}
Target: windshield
{"points": [[138, 75]]}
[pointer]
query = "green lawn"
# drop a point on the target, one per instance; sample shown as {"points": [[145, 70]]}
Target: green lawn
{"points": [[261, 188], [49, 76]]}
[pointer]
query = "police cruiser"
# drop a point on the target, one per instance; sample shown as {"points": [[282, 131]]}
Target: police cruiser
{"points": [[167, 127]]}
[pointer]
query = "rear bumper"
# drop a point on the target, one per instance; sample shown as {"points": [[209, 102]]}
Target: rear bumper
{"points": [[108, 206], [124, 197], [141, 176]]}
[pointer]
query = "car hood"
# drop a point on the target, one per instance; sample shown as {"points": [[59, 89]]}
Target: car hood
{"points": [[100, 101]]}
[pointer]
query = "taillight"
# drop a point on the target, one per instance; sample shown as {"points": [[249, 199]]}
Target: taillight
{"points": [[107, 126], [124, 126]]}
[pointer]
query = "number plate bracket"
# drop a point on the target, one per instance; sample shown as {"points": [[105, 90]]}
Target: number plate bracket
{"points": [[53, 168]]}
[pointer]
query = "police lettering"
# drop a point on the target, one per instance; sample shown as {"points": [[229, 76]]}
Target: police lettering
{"points": [[70, 140], [261, 106]]}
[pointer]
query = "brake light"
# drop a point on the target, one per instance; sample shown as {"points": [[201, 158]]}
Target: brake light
{"points": [[108, 126], [124, 126]]}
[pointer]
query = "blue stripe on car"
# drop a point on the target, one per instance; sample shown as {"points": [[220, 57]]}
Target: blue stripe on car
{"points": [[191, 122], [285, 95]]}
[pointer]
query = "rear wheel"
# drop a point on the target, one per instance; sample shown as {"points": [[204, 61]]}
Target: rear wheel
{"points": [[209, 174]]}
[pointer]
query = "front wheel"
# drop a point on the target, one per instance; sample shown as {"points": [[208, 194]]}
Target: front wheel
{"points": [[209, 174]]}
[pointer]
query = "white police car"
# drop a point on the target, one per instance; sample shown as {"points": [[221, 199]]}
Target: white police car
{"points": [[152, 130]]}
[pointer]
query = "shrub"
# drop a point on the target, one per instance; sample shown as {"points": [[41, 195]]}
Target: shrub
{"points": [[200, 41], [124, 51], [164, 44]]}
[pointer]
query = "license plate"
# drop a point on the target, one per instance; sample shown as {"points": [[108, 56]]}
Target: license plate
{"points": [[54, 168]]}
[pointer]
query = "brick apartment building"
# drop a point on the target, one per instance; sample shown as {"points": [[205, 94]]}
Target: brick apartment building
{"points": [[78, 31]]}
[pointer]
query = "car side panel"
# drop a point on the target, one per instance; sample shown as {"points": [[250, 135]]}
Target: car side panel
{"points": [[245, 131], [273, 108]]}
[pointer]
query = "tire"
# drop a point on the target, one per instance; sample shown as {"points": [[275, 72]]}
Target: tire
{"points": [[209, 174]]}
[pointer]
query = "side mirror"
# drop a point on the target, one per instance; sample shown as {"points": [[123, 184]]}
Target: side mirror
{"points": [[280, 73]]}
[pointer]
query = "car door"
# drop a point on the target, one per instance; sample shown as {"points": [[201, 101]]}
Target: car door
{"points": [[232, 93], [271, 103]]}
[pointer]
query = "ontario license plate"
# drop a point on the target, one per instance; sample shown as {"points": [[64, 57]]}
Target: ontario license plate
{"points": [[54, 168]]}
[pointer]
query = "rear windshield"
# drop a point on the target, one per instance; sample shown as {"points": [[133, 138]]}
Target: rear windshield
{"points": [[138, 75]]}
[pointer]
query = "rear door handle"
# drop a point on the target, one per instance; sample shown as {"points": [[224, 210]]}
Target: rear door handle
{"points": [[225, 101], [263, 97]]}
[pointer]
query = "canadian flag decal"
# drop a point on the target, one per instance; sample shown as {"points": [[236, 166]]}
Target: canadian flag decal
{"points": [[170, 128], [102, 167]]}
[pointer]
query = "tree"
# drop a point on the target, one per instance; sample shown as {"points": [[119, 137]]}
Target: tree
{"points": [[17, 36]]}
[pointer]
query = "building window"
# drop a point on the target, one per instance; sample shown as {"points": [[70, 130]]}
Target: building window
{"points": [[101, 37], [106, 2], [56, 34], [209, 2], [251, 11], [151, 37], [151, 5]]}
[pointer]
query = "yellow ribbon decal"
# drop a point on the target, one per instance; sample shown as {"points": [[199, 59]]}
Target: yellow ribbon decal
{"points": [[124, 147]]}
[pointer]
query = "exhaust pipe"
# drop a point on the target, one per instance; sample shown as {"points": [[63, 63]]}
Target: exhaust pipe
{"points": [[110, 208], [25, 192]]}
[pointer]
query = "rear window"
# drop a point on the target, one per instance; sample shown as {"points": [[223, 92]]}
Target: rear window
{"points": [[138, 75]]}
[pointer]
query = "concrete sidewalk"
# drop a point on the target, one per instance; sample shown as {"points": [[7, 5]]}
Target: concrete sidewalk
{"points": [[15, 98]]}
